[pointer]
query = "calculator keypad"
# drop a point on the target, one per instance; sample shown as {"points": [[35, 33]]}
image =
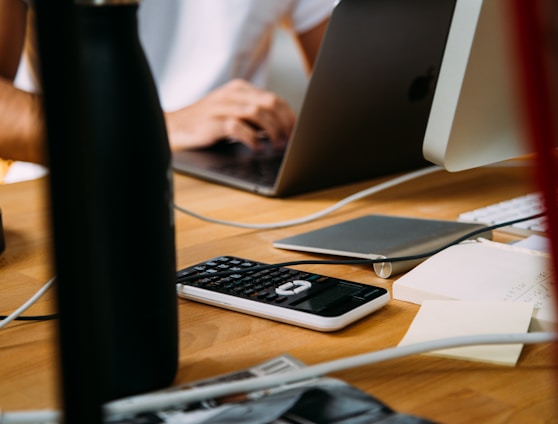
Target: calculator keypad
{"points": [[273, 285]]}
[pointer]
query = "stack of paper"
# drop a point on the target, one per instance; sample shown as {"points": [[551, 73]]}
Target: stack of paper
{"points": [[485, 271]]}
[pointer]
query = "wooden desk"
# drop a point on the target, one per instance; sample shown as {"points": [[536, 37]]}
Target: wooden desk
{"points": [[214, 341]]}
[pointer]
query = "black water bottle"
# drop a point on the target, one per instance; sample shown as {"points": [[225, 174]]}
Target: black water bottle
{"points": [[112, 210]]}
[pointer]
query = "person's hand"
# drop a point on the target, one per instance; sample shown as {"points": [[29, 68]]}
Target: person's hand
{"points": [[236, 111]]}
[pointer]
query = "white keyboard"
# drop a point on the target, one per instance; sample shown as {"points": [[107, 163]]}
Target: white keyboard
{"points": [[518, 207]]}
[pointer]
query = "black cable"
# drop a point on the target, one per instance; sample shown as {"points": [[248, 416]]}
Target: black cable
{"points": [[32, 317], [323, 262]]}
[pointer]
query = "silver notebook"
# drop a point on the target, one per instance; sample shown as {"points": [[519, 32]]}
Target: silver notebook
{"points": [[380, 237]]}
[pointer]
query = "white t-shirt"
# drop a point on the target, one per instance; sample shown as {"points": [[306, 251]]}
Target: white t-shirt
{"points": [[194, 46]]}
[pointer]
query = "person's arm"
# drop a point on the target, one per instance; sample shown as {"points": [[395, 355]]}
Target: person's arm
{"points": [[240, 111], [21, 116], [12, 35], [310, 42]]}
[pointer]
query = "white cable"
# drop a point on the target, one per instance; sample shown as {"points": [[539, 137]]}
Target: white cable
{"points": [[157, 402], [161, 401], [27, 304], [338, 205], [31, 417]]}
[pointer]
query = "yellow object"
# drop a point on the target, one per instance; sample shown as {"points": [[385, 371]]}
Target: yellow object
{"points": [[4, 168]]}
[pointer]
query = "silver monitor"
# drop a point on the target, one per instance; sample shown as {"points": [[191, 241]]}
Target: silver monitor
{"points": [[476, 115]]}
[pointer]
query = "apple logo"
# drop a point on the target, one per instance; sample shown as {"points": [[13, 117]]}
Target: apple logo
{"points": [[420, 87]]}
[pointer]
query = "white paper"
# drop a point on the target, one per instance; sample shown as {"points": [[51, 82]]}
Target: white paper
{"points": [[439, 319], [486, 271]]}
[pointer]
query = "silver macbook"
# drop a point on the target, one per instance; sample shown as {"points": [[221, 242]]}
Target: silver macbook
{"points": [[365, 110]]}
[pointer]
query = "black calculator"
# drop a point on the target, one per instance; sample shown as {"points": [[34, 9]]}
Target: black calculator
{"points": [[305, 299]]}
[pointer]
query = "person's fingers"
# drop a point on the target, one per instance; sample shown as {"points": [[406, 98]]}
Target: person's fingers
{"points": [[239, 130], [194, 129], [263, 109], [236, 110], [271, 115]]}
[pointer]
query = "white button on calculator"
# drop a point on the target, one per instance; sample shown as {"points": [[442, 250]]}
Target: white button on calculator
{"points": [[293, 287]]}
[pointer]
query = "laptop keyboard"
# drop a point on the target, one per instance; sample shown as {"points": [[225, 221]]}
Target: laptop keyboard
{"points": [[261, 170]]}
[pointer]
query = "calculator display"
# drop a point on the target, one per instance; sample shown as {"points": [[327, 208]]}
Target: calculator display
{"points": [[325, 298]]}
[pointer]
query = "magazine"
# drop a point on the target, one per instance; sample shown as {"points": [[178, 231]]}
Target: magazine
{"points": [[319, 400]]}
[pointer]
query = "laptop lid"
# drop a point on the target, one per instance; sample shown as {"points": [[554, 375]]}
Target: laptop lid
{"points": [[365, 110]]}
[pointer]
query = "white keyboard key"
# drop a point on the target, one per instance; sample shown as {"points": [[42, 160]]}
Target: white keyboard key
{"points": [[508, 210]]}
